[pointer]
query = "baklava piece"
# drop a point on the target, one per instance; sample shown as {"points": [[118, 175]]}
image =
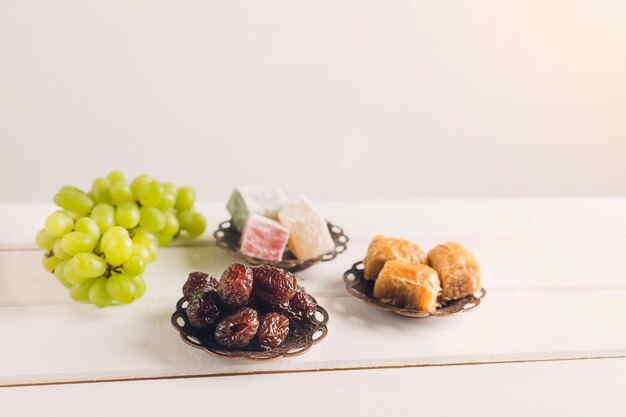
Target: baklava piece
{"points": [[383, 249], [407, 285], [458, 270]]}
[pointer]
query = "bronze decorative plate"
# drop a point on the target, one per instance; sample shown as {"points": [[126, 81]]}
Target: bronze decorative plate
{"points": [[361, 288], [227, 238], [302, 336]]}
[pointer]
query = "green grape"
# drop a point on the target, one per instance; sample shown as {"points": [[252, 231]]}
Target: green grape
{"points": [[59, 273], [184, 219], [68, 233], [90, 236], [74, 200], [87, 265], [49, 262], [88, 226], [104, 215], [164, 239], [145, 234], [185, 198], [153, 249], [192, 222], [98, 294], [58, 224], [67, 188], [114, 231], [80, 292], [135, 265], [137, 183], [69, 272], [45, 240], [147, 243], [118, 249], [58, 251], [121, 289], [71, 214], [140, 285], [101, 191], [120, 193], [115, 177], [150, 194], [140, 251], [152, 219], [169, 197], [77, 242], [171, 224], [197, 226], [127, 214]]}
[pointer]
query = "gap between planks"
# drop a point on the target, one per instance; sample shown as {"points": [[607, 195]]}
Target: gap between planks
{"points": [[210, 242], [198, 244], [302, 371]]}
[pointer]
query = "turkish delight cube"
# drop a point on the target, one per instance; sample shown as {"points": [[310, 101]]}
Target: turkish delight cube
{"points": [[383, 249], [309, 235], [264, 200], [407, 285], [264, 238]]}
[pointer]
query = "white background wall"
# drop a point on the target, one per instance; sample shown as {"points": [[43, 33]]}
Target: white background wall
{"points": [[331, 98]]}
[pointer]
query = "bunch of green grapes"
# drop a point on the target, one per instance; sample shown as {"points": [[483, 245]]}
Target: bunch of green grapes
{"points": [[99, 244]]}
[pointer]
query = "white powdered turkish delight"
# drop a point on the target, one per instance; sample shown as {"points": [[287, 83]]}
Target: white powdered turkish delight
{"points": [[263, 200], [309, 235]]}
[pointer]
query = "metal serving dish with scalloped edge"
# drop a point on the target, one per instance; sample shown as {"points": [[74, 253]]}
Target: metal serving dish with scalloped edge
{"points": [[302, 336], [227, 238], [358, 286]]}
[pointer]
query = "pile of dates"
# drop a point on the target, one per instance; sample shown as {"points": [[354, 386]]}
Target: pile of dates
{"points": [[247, 306]]}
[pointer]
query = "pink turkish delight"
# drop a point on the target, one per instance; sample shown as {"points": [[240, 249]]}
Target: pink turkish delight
{"points": [[264, 238]]}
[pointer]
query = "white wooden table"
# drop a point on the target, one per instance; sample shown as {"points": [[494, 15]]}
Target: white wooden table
{"points": [[550, 336]]}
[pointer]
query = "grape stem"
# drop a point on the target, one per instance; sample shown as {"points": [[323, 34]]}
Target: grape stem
{"points": [[112, 269]]}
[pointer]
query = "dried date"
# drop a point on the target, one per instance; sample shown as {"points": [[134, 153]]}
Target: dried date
{"points": [[203, 310], [235, 285], [237, 330], [273, 285], [273, 330], [198, 282], [302, 306]]}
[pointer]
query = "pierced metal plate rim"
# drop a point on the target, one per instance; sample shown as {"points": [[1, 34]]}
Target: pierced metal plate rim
{"points": [[316, 325], [464, 304], [227, 238]]}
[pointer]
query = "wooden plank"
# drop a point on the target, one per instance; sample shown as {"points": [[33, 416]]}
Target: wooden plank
{"points": [[573, 388], [550, 267], [557, 264], [78, 342], [418, 219]]}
